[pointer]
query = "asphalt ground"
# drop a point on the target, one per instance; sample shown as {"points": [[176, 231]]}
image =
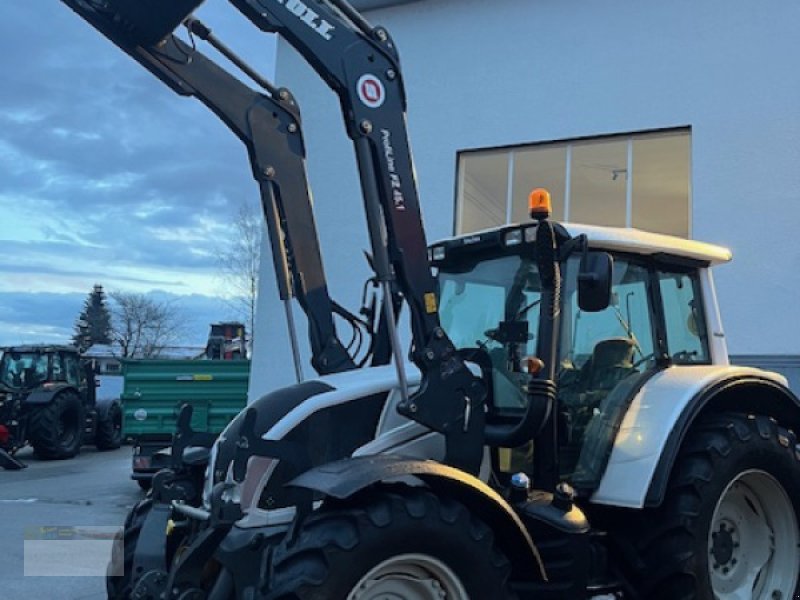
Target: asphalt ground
{"points": [[93, 489]]}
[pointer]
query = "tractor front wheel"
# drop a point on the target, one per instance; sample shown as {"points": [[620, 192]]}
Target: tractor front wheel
{"points": [[55, 429], [120, 578], [729, 525], [407, 544]]}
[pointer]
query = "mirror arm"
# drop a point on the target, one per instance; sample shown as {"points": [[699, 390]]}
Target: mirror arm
{"points": [[569, 247]]}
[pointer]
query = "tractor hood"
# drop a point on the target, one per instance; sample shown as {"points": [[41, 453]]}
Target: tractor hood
{"points": [[307, 412]]}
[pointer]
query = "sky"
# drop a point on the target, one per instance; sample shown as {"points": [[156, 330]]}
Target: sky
{"points": [[107, 176]]}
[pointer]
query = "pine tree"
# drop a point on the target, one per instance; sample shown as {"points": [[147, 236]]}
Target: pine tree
{"points": [[93, 325]]}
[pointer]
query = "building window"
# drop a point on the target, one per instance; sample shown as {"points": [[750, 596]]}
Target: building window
{"points": [[638, 180], [111, 367]]}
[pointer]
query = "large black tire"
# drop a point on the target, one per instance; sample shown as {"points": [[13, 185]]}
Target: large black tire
{"points": [[689, 550], [119, 587], [109, 428], [338, 546], [55, 430], [145, 484]]}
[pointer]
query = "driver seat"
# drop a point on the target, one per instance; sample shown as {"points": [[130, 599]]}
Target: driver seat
{"points": [[610, 363]]}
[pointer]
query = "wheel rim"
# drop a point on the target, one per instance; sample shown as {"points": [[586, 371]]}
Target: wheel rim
{"points": [[753, 542], [410, 577]]}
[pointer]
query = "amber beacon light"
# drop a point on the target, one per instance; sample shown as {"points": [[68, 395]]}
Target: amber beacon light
{"points": [[539, 204]]}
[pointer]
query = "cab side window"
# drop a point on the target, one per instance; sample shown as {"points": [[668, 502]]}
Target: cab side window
{"points": [[58, 368], [687, 341], [71, 368], [621, 333]]}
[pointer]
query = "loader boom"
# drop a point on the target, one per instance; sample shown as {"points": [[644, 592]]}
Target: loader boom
{"points": [[361, 65]]}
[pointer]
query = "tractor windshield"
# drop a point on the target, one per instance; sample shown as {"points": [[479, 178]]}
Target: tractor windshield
{"points": [[475, 301], [23, 369], [494, 305]]}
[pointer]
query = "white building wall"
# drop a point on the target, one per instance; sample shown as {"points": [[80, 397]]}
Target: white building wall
{"points": [[483, 74]]}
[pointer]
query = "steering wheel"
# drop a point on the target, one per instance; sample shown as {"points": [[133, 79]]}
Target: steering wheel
{"points": [[493, 334]]}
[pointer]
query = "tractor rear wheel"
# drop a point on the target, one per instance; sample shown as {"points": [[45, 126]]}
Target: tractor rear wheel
{"points": [[407, 544], [109, 428], [55, 429], [728, 528]]}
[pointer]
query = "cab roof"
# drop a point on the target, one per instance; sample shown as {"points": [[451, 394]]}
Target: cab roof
{"points": [[636, 241], [618, 239], [41, 348]]}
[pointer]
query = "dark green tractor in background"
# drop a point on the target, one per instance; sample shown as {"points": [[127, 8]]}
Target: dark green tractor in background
{"points": [[48, 400]]}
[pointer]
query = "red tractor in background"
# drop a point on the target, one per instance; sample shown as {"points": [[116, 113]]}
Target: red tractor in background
{"points": [[48, 400]]}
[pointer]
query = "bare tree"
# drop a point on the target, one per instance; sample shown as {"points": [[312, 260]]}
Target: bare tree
{"points": [[142, 326], [239, 260]]}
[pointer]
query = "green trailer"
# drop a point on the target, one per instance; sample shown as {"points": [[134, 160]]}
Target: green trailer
{"points": [[154, 392]]}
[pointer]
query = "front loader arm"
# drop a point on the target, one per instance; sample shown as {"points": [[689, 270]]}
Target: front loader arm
{"points": [[269, 125], [361, 65], [358, 66]]}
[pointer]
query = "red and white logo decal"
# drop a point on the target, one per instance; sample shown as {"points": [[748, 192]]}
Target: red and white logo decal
{"points": [[371, 91]]}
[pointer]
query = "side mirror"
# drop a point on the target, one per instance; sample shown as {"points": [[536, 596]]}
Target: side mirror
{"points": [[594, 281]]}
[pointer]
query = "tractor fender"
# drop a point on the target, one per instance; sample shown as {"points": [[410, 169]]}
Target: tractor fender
{"points": [[45, 395], [662, 413], [749, 394], [345, 478]]}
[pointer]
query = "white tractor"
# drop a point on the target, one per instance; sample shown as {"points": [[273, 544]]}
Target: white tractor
{"points": [[666, 472], [568, 426]]}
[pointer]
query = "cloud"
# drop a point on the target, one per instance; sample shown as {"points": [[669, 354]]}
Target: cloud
{"points": [[105, 173]]}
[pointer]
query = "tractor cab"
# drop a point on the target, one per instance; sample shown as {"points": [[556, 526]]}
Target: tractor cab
{"points": [[24, 369], [31, 367], [654, 316]]}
